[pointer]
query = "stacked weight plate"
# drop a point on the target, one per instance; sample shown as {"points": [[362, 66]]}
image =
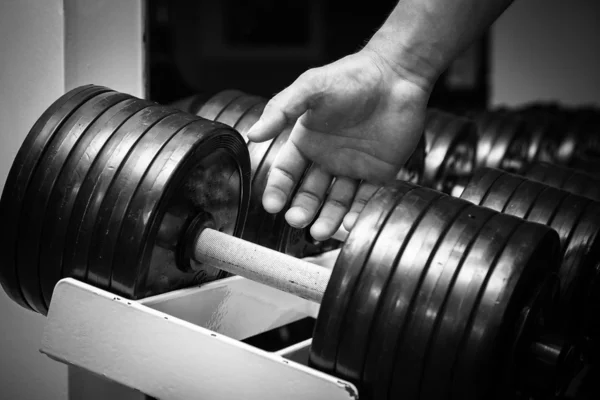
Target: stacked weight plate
{"points": [[451, 151], [577, 221], [504, 141], [101, 188], [569, 179], [426, 295]]}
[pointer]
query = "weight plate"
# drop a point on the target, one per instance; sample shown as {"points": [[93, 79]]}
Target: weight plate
{"points": [[17, 181], [64, 194], [531, 253], [480, 184], [365, 303], [41, 218], [506, 129], [579, 259], [345, 275], [524, 198], [547, 205], [202, 169], [462, 300], [435, 288], [237, 109], [216, 104], [118, 197], [515, 160], [36, 197], [488, 132], [98, 182], [549, 174], [501, 192], [412, 270], [434, 127]]}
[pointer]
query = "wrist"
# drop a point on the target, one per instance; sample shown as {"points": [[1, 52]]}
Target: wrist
{"points": [[415, 63]]}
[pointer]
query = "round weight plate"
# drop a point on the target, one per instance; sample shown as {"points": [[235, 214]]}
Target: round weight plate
{"points": [[579, 259], [547, 205], [414, 268], [391, 242], [444, 140], [532, 252], [118, 197], [345, 274], [216, 104], [44, 223], [506, 131], [67, 188], [583, 185], [501, 192], [443, 271], [435, 122], [236, 110], [480, 184], [98, 181], [459, 164], [488, 130], [462, 299], [524, 198], [17, 182], [41, 184], [566, 218], [202, 169], [515, 159]]}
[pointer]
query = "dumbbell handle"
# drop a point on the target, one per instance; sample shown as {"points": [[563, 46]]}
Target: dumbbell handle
{"points": [[260, 264]]}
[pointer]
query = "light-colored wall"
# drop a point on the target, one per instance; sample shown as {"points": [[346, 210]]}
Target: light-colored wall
{"points": [[547, 50], [31, 78]]}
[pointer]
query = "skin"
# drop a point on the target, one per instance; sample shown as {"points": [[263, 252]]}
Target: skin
{"points": [[357, 120]]}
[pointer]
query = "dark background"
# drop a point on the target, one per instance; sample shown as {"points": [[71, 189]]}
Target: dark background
{"points": [[261, 46]]}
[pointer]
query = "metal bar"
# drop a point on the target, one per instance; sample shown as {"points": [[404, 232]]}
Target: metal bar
{"points": [[260, 264]]}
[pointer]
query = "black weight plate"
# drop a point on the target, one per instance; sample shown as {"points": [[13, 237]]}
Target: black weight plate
{"points": [[583, 185], [501, 192], [69, 183], [43, 223], [459, 163], [266, 234], [524, 198], [580, 255], [345, 274], [566, 218], [201, 169], [118, 197], [480, 184], [257, 150], [41, 184], [236, 110], [531, 254], [428, 236], [98, 181], [486, 137], [547, 205], [443, 270], [216, 104], [439, 149], [435, 121], [17, 181], [508, 131], [462, 299], [364, 303]]}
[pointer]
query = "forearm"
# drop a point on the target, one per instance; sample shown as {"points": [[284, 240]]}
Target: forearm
{"points": [[421, 37]]}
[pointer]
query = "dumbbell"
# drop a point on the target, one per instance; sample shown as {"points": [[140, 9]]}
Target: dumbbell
{"points": [[451, 151], [569, 179], [577, 221], [428, 292]]}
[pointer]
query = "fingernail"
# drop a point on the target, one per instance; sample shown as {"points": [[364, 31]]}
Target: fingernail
{"points": [[296, 217], [273, 202], [319, 231], [254, 129], [350, 220]]}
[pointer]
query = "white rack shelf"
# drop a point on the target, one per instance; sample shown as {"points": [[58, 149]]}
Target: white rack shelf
{"points": [[183, 345]]}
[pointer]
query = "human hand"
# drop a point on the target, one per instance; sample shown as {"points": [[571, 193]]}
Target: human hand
{"points": [[357, 119]]}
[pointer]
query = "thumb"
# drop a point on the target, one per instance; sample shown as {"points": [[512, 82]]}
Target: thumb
{"points": [[286, 107]]}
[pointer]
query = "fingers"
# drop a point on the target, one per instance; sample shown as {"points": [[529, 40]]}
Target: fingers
{"points": [[309, 197], [335, 208], [286, 107], [364, 194], [287, 169]]}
